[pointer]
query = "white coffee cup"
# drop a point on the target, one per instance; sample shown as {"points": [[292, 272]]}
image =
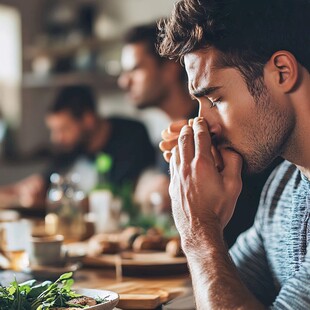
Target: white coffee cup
{"points": [[6, 216], [106, 211], [47, 251]]}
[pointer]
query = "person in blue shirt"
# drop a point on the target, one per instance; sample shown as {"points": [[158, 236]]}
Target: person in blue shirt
{"points": [[248, 66]]}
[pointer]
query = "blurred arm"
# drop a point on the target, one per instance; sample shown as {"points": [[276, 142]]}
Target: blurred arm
{"points": [[28, 192]]}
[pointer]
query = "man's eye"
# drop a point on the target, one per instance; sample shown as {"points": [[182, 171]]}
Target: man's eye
{"points": [[214, 103]]}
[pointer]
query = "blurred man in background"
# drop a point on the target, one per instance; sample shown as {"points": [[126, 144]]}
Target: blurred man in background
{"points": [[150, 80], [77, 135], [153, 81]]}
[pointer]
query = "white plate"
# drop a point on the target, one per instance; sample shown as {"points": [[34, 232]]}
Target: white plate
{"points": [[111, 297]]}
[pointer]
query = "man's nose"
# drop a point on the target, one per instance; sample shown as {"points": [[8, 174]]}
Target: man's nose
{"points": [[123, 80], [211, 116]]}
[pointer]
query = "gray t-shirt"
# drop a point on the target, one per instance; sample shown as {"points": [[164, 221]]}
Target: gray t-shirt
{"points": [[272, 256]]}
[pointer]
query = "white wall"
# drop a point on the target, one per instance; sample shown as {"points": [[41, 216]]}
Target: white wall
{"points": [[122, 14], [132, 12], [10, 68], [125, 14]]}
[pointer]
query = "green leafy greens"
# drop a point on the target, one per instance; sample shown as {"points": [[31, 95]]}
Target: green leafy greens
{"points": [[44, 296]]}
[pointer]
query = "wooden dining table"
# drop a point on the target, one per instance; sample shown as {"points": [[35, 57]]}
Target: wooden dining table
{"points": [[135, 292]]}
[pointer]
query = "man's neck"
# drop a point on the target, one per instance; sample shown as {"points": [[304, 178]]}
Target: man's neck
{"points": [[100, 135], [299, 150]]}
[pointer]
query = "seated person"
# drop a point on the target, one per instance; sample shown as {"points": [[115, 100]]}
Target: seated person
{"points": [[249, 67], [143, 68], [149, 81], [77, 132]]}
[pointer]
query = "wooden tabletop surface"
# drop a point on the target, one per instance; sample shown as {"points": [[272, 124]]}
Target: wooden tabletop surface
{"points": [[135, 292], [138, 292]]}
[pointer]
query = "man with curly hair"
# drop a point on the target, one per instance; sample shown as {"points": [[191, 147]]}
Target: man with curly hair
{"points": [[248, 66]]}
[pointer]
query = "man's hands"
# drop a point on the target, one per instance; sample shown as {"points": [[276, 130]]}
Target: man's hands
{"points": [[204, 187], [205, 182], [31, 191], [170, 138]]}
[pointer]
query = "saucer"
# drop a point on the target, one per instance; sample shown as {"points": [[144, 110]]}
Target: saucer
{"points": [[74, 253], [51, 272]]}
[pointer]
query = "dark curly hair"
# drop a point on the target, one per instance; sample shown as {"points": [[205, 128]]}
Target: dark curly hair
{"points": [[245, 32], [146, 34], [77, 100]]}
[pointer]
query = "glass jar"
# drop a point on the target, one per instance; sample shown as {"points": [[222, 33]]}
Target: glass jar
{"points": [[65, 211]]}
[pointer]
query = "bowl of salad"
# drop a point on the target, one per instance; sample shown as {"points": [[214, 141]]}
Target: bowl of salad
{"points": [[57, 295]]}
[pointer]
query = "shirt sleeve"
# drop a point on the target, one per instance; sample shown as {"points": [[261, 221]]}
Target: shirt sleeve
{"points": [[295, 293], [249, 256]]}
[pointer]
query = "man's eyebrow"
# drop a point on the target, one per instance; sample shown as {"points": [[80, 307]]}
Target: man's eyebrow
{"points": [[204, 92]]}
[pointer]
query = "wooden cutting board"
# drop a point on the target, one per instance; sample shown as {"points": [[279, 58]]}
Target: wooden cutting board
{"points": [[141, 264], [140, 295]]}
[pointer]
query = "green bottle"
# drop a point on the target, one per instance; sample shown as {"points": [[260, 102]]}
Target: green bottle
{"points": [[103, 203], [103, 165]]}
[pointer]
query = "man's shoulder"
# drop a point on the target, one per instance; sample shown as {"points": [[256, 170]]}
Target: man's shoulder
{"points": [[279, 187], [283, 173], [126, 123], [131, 134]]}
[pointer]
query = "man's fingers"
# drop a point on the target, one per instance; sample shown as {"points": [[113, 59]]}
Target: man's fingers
{"points": [[168, 145], [177, 126], [186, 144], [175, 156], [173, 129], [170, 140], [167, 155], [171, 167], [218, 160], [202, 138], [232, 162], [232, 169], [168, 136]]}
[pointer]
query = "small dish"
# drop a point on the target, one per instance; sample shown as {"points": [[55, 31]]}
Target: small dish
{"points": [[51, 272], [112, 298], [74, 252]]}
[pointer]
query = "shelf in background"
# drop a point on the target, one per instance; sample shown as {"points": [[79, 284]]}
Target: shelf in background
{"points": [[105, 82], [60, 49]]}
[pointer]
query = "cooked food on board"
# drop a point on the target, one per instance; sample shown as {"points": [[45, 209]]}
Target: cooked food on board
{"points": [[134, 239]]}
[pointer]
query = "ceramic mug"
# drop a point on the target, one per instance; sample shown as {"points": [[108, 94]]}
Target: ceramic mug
{"points": [[47, 251], [6, 216]]}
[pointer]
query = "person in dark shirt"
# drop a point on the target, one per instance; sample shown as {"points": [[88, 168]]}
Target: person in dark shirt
{"points": [[76, 132]]}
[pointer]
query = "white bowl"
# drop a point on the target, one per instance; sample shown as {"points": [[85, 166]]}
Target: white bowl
{"points": [[111, 297]]}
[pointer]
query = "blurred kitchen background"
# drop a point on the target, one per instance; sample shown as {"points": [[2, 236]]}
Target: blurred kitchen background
{"points": [[47, 44]]}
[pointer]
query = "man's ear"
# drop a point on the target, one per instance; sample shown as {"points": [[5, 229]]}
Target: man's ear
{"points": [[285, 68]]}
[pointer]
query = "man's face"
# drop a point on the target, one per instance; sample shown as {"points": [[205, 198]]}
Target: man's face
{"points": [[256, 129], [142, 77], [66, 132]]}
